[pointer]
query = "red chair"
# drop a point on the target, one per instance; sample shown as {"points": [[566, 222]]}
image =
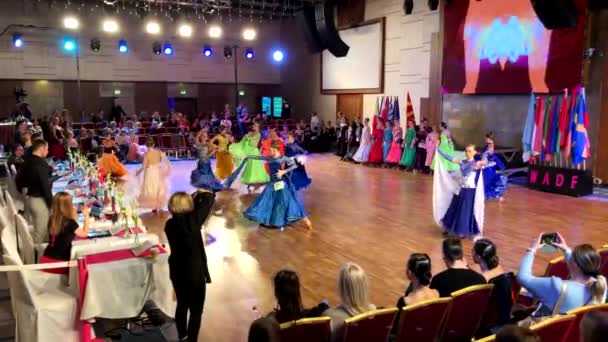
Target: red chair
{"points": [[76, 125], [306, 330], [146, 124], [167, 145], [423, 321], [141, 139], [371, 326], [171, 130], [558, 267], [182, 146], [554, 329], [88, 125], [574, 334], [157, 141], [468, 306]]}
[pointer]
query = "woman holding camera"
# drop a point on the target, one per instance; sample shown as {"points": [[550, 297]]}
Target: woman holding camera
{"points": [[586, 285]]}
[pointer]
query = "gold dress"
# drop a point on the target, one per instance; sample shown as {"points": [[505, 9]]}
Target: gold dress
{"points": [[224, 164]]}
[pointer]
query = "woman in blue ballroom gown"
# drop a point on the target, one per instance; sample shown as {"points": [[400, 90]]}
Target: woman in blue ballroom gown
{"points": [[494, 183], [464, 216], [277, 205], [298, 177], [203, 177]]}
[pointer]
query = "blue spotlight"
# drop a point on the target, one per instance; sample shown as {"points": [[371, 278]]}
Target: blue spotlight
{"points": [[122, 46], [167, 49], [249, 54], [17, 40], [277, 55], [69, 45], [207, 51]]}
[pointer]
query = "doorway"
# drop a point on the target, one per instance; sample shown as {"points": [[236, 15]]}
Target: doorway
{"points": [[185, 105], [351, 105]]}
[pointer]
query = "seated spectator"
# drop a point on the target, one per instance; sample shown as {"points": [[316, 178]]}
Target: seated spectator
{"points": [[215, 122], [123, 142], [513, 333], [264, 329], [352, 287], [594, 327], [16, 158], [458, 275], [289, 301], [71, 143], [227, 123], [484, 254], [419, 274], [136, 152], [585, 287], [21, 128], [63, 228]]}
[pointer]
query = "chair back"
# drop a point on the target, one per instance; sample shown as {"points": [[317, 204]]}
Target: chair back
{"points": [[166, 141], [493, 312], [490, 338], [306, 330], [554, 329], [8, 238], [604, 265], [374, 325], [26, 242], [423, 321], [574, 334], [558, 267], [468, 306], [20, 291], [141, 139]]}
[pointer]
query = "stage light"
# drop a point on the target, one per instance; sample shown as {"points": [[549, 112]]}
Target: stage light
{"points": [[167, 49], [207, 51], [227, 51], [249, 54], [69, 45], [17, 40], [71, 23], [277, 55], [215, 32], [249, 34], [122, 46], [153, 27], [156, 48], [110, 26], [185, 30], [95, 44]]}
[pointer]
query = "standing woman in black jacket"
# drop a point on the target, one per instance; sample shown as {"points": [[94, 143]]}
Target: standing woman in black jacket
{"points": [[188, 262]]}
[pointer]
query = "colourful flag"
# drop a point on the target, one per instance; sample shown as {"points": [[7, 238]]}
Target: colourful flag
{"points": [[581, 147], [563, 123], [390, 109], [527, 138], [537, 137], [546, 126], [396, 114], [377, 109], [385, 109], [409, 109], [553, 133], [573, 108]]}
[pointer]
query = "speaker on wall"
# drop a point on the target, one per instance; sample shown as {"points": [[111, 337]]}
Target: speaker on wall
{"points": [[433, 5], [555, 14], [308, 23], [408, 6], [326, 28]]}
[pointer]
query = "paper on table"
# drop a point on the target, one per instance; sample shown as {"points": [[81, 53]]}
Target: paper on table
{"points": [[138, 250]]}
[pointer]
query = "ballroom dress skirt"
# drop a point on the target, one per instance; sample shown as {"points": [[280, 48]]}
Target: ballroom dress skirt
{"points": [[375, 155], [460, 219], [299, 178], [255, 170], [394, 154], [110, 164], [351, 150], [494, 183], [276, 208], [407, 159], [224, 164], [203, 178], [386, 147], [362, 153]]}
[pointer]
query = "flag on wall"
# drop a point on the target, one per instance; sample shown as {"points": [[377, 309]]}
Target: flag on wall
{"points": [[546, 126], [385, 108], [553, 128], [527, 138], [377, 109], [563, 123], [581, 149], [409, 110], [573, 108], [538, 126], [396, 114], [390, 108]]}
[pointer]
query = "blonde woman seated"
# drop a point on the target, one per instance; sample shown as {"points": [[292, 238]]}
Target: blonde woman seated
{"points": [[352, 287], [109, 162]]}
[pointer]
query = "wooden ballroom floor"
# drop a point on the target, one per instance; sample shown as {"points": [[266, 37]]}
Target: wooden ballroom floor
{"points": [[374, 217]]}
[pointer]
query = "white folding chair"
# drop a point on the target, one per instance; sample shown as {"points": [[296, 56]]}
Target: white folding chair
{"points": [[19, 198], [44, 310], [25, 243]]}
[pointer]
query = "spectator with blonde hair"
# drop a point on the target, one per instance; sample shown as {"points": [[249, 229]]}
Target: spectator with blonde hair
{"points": [[353, 291]]}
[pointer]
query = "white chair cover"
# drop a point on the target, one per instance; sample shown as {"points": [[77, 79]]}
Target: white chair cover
{"points": [[44, 310], [26, 243], [19, 198]]}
